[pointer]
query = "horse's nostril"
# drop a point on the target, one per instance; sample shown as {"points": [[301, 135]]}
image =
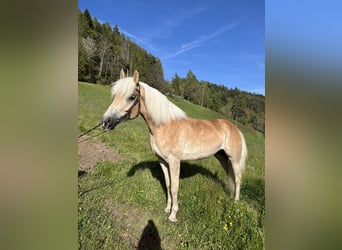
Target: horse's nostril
{"points": [[108, 123], [105, 121]]}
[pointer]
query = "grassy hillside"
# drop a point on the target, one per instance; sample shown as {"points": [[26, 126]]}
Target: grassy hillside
{"points": [[121, 204]]}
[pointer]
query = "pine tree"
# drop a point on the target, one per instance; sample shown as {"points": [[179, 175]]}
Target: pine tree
{"points": [[88, 18]]}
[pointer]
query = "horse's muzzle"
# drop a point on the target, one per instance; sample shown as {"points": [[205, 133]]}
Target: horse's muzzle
{"points": [[109, 123]]}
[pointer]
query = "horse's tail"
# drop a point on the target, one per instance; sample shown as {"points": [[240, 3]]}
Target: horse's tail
{"points": [[244, 153], [236, 169], [239, 168]]}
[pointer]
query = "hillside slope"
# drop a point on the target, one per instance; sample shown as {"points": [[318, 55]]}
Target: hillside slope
{"points": [[120, 201]]}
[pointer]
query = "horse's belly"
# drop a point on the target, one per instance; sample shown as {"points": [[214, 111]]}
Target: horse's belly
{"points": [[195, 156], [199, 151], [185, 148]]}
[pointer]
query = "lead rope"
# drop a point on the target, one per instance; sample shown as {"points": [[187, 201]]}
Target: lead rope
{"points": [[90, 131], [86, 139]]}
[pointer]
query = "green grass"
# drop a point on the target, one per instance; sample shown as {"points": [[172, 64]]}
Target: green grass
{"points": [[117, 199]]}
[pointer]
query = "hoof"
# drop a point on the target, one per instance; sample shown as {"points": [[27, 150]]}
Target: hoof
{"points": [[167, 210], [173, 219]]}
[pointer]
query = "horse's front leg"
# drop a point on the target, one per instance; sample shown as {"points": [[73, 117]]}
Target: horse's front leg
{"points": [[174, 167], [167, 183]]}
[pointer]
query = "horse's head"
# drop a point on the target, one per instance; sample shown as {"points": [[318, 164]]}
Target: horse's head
{"points": [[126, 103]]}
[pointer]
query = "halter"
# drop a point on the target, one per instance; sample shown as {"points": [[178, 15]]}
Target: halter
{"points": [[129, 111]]}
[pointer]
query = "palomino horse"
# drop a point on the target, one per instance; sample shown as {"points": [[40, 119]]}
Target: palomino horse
{"points": [[175, 137]]}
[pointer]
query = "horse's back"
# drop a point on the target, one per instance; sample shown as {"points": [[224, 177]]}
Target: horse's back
{"points": [[234, 141], [215, 125]]}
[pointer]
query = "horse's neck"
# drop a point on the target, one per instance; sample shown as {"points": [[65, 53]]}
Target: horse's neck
{"points": [[161, 111], [149, 121]]}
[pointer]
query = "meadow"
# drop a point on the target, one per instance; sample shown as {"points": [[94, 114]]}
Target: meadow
{"points": [[121, 204]]}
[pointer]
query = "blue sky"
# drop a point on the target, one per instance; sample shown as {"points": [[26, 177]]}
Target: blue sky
{"points": [[221, 41]]}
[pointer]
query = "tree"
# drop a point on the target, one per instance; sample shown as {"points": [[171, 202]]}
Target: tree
{"points": [[191, 87], [89, 47], [176, 83], [238, 109], [82, 62], [155, 72], [103, 47], [88, 19], [204, 92]]}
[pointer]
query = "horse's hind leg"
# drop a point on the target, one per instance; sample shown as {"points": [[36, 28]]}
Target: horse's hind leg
{"points": [[227, 165], [238, 176]]}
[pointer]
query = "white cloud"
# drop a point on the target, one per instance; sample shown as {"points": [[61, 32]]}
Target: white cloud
{"points": [[200, 41], [128, 34]]}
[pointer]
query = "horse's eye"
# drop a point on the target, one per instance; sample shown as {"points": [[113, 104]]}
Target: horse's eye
{"points": [[132, 97]]}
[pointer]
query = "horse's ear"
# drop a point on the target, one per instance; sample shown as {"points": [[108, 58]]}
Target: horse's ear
{"points": [[136, 77], [122, 74]]}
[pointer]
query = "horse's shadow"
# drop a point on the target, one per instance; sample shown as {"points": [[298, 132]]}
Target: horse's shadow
{"points": [[253, 189], [187, 170]]}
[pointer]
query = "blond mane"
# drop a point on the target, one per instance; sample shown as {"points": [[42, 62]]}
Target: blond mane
{"points": [[159, 108]]}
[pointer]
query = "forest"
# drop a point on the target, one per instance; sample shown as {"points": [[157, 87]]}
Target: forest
{"points": [[103, 50]]}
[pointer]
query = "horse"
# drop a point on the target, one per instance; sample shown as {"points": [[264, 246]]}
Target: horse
{"points": [[174, 136]]}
